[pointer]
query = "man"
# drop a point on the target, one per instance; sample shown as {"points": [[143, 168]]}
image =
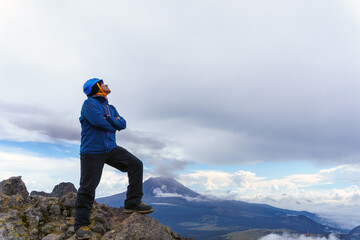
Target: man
{"points": [[99, 122]]}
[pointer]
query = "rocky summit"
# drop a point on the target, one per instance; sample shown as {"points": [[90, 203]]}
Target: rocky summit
{"points": [[52, 218], [58, 191]]}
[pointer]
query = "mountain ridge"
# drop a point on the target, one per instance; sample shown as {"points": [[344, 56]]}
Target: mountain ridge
{"points": [[201, 217]]}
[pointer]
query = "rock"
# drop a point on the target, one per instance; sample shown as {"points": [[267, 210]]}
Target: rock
{"points": [[69, 232], [51, 218], [63, 189], [33, 216], [42, 193], [93, 237], [102, 225], [49, 227], [12, 225], [139, 226], [68, 201], [14, 186], [55, 209], [53, 236], [58, 191], [16, 201]]}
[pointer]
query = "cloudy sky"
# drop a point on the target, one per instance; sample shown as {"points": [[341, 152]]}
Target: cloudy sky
{"points": [[250, 100]]}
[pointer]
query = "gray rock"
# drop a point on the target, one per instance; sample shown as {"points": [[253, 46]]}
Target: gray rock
{"points": [[139, 226], [53, 236], [63, 189], [55, 209], [70, 231], [68, 201], [49, 227], [14, 186], [58, 191], [33, 216], [42, 193]]}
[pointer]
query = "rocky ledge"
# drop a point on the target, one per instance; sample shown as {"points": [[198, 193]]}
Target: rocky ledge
{"points": [[52, 218]]}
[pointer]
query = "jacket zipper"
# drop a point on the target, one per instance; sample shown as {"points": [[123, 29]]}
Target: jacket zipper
{"points": [[108, 135]]}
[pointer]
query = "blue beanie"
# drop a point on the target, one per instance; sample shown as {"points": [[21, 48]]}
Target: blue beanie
{"points": [[89, 84]]}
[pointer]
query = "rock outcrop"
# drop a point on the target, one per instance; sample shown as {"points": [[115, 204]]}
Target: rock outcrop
{"points": [[14, 186], [62, 189], [52, 218], [42, 193], [58, 191]]}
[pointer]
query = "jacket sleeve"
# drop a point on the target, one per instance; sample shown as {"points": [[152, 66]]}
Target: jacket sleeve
{"points": [[96, 118], [116, 121]]}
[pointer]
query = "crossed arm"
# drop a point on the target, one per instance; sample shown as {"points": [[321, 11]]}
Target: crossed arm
{"points": [[116, 121], [105, 123]]}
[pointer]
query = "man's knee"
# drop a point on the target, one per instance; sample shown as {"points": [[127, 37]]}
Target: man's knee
{"points": [[138, 163], [135, 164]]}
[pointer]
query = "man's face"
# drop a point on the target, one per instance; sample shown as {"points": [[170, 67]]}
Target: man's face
{"points": [[105, 88]]}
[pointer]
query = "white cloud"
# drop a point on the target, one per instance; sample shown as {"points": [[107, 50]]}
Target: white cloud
{"points": [[30, 122], [287, 236], [311, 192], [112, 182], [338, 206], [342, 173], [161, 192], [206, 180], [39, 173], [245, 178], [353, 7], [10, 131], [164, 204], [115, 182]]}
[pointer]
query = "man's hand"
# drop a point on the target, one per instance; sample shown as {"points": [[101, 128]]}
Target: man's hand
{"points": [[118, 122], [105, 117]]}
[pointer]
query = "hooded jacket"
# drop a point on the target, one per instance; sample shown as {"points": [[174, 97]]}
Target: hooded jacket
{"points": [[99, 123]]}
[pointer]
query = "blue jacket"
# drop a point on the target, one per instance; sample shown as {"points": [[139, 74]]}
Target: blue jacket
{"points": [[99, 122]]}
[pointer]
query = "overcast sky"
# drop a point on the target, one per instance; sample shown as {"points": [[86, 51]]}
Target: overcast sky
{"points": [[216, 84]]}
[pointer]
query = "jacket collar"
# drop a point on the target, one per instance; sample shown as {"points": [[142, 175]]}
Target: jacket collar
{"points": [[100, 99]]}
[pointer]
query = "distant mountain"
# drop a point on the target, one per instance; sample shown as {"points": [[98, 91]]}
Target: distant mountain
{"points": [[203, 217], [152, 188], [353, 234]]}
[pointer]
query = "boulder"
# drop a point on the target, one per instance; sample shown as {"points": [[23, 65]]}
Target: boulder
{"points": [[58, 191], [14, 186], [42, 193], [138, 226], [62, 189]]}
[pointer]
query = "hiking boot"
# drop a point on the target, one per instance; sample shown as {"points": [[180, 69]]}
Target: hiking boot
{"points": [[83, 233], [141, 208]]}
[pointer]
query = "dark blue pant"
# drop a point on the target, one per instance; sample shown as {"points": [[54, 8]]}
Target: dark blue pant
{"points": [[91, 170]]}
